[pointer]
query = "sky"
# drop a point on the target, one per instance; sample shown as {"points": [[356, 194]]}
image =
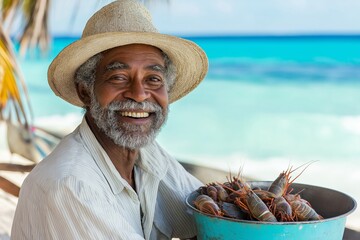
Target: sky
{"points": [[226, 17]]}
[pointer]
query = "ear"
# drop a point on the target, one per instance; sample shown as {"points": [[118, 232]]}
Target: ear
{"points": [[83, 93]]}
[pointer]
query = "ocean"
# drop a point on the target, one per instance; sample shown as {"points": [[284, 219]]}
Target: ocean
{"points": [[267, 102]]}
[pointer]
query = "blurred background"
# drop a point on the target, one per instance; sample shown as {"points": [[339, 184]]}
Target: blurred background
{"points": [[283, 86]]}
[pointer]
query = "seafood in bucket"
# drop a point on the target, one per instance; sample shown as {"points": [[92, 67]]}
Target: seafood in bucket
{"points": [[238, 200]]}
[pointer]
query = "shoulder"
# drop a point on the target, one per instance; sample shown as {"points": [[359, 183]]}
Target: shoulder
{"points": [[70, 189], [69, 159], [55, 205]]}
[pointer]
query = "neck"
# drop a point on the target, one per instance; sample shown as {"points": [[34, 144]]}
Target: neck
{"points": [[123, 158]]}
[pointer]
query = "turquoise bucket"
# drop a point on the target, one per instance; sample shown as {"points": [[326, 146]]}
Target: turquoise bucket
{"points": [[334, 206]]}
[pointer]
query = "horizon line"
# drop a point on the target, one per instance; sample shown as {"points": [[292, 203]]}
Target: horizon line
{"points": [[248, 36]]}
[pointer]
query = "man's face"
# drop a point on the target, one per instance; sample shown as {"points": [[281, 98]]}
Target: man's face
{"points": [[129, 100]]}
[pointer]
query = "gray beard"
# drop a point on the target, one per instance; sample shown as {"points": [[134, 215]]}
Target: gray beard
{"points": [[122, 133]]}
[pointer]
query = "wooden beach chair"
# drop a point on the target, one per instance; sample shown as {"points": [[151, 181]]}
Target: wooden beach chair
{"points": [[31, 144]]}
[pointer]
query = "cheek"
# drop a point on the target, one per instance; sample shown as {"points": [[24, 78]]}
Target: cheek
{"points": [[105, 95], [162, 98]]}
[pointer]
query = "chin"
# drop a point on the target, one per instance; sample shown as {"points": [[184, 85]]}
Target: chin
{"points": [[133, 140]]}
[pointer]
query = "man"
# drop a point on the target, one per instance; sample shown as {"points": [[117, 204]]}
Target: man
{"points": [[109, 179]]}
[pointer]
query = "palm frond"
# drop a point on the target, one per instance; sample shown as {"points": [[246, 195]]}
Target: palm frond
{"points": [[36, 31], [9, 9], [8, 6], [12, 85]]}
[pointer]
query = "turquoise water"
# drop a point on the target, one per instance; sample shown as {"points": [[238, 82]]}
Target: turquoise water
{"points": [[264, 97]]}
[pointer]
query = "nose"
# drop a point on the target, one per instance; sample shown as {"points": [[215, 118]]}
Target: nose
{"points": [[137, 92]]}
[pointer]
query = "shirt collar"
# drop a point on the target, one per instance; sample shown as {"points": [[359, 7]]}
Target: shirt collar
{"points": [[151, 159]]}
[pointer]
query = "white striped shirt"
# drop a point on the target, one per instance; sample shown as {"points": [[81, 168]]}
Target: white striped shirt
{"points": [[76, 193]]}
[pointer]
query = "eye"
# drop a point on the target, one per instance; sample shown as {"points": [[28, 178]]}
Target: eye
{"points": [[154, 82], [118, 78], [155, 79]]}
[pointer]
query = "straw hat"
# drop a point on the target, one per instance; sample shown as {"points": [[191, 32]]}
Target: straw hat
{"points": [[121, 23]]}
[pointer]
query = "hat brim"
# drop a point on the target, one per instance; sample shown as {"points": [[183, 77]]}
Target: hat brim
{"points": [[189, 59]]}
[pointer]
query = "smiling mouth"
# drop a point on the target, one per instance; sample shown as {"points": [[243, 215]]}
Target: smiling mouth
{"points": [[135, 114]]}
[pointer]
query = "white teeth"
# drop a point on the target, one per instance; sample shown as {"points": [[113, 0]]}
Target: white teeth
{"points": [[135, 114]]}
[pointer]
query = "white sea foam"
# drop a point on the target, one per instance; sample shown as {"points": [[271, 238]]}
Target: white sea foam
{"points": [[352, 124], [61, 124]]}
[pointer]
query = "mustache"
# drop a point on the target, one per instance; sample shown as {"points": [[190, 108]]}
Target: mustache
{"points": [[133, 105]]}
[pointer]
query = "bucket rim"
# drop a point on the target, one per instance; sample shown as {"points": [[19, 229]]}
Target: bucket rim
{"points": [[194, 209]]}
